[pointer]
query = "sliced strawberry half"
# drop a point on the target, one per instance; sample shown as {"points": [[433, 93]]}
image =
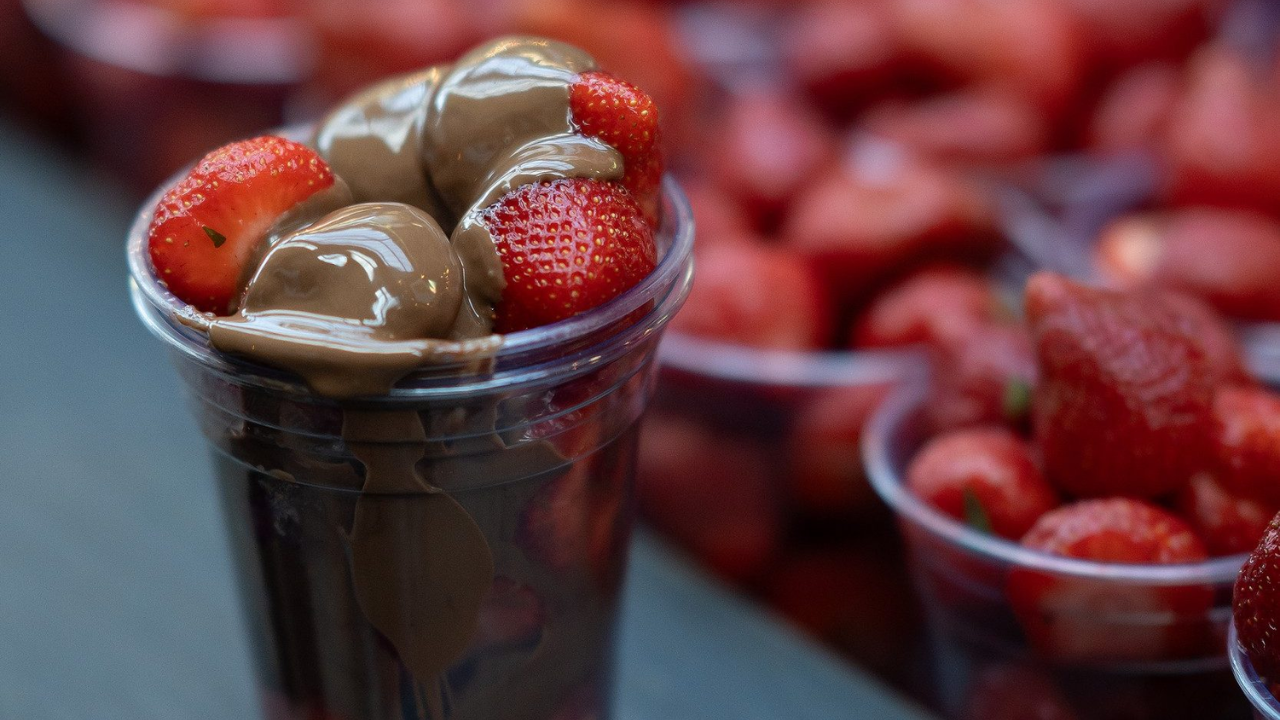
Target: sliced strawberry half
{"points": [[618, 113], [566, 246], [208, 228]]}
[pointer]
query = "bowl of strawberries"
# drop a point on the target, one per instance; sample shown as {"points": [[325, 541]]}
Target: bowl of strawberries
{"points": [[1093, 545]]}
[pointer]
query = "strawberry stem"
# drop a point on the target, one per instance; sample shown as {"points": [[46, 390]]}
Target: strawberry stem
{"points": [[975, 516]]}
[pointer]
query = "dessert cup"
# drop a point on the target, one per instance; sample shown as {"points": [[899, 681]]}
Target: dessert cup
{"points": [[1106, 640], [489, 591], [144, 76], [749, 462], [1264, 702]]}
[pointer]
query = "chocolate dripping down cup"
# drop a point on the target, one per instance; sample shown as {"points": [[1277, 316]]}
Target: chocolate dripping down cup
{"points": [[488, 590]]}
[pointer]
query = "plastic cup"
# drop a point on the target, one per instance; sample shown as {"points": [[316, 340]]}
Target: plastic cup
{"points": [[750, 463], [1101, 640], [151, 87], [1256, 690], [354, 598]]}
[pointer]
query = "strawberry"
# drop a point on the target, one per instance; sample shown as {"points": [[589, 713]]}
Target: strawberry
{"points": [[756, 295], [980, 126], [840, 52], [1095, 619], [1222, 143], [983, 377], [1215, 337], [985, 477], [1228, 257], [825, 458], [512, 614], [209, 229], [934, 305], [1247, 442], [1256, 604], [764, 149], [1133, 111], [882, 209], [718, 216], [566, 246], [1228, 523], [618, 113], [1120, 33], [1124, 405], [1029, 47]]}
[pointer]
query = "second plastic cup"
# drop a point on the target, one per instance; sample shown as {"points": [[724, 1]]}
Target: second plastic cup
{"points": [[1256, 691], [489, 591], [1013, 626]]}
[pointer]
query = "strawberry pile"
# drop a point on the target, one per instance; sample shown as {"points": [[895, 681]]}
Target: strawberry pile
{"points": [[1141, 439]]}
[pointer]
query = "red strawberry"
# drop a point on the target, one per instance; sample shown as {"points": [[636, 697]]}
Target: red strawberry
{"points": [[985, 477], [934, 305], [718, 216], [825, 458], [841, 52], [881, 210], [1247, 442], [983, 377], [1222, 143], [982, 126], [765, 148], [1124, 405], [756, 295], [566, 246], [1093, 619], [1123, 32], [1256, 604], [1030, 47], [1230, 258], [1228, 523], [209, 228], [618, 113], [512, 613], [1132, 113], [1205, 327]]}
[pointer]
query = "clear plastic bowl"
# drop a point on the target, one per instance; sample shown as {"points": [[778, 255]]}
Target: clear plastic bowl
{"points": [[1265, 704], [1114, 640]]}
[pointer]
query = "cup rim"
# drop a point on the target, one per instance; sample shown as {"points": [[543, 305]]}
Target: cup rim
{"points": [[1253, 687], [886, 478], [249, 51], [793, 368], [548, 351]]}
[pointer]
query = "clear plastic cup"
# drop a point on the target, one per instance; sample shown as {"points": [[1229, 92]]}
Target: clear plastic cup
{"points": [[1102, 640], [368, 605], [146, 76], [750, 462], [1264, 702]]}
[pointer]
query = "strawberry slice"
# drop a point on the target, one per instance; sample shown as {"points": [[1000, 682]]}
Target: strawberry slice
{"points": [[618, 113], [566, 246], [208, 229]]}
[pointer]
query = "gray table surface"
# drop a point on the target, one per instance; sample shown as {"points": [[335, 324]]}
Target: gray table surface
{"points": [[115, 589]]}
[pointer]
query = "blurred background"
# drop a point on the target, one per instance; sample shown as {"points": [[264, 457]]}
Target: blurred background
{"points": [[881, 160]]}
